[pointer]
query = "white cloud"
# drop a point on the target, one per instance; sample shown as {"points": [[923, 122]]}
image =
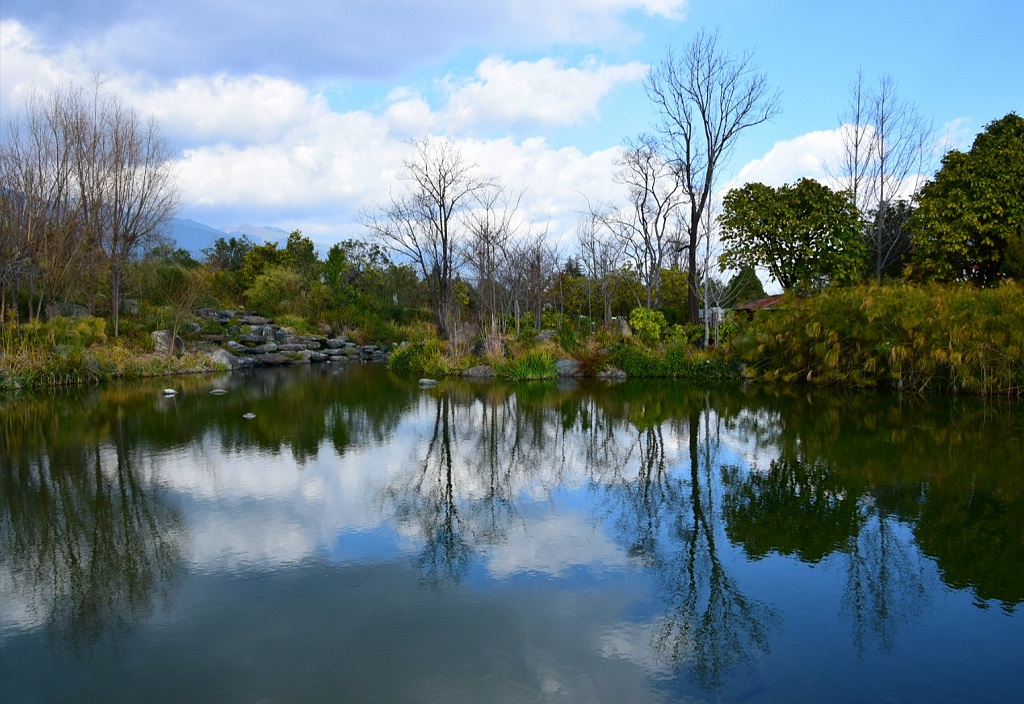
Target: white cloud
{"points": [[787, 161], [504, 93]]}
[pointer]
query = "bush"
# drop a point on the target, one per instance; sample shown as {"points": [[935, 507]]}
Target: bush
{"points": [[902, 337], [647, 324], [532, 365]]}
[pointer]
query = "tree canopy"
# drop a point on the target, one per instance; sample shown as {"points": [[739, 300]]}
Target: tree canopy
{"points": [[805, 234], [969, 223]]}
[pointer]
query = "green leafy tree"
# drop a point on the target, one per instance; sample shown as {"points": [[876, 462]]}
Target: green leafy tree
{"points": [[745, 286], [258, 260], [806, 234], [969, 223], [228, 254], [300, 256]]}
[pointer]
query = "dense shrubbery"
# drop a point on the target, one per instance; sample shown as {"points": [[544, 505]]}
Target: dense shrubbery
{"points": [[675, 361], [916, 338]]}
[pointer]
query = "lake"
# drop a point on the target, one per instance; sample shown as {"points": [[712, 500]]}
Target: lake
{"points": [[364, 540]]}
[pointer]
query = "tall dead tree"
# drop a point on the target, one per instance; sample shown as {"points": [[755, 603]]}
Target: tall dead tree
{"points": [[426, 223], [704, 99], [647, 226], [886, 154]]}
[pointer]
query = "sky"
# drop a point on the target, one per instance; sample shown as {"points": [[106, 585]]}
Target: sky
{"points": [[298, 114]]}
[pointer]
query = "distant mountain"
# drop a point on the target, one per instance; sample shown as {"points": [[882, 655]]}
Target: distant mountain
{"points": [[259, 233], [195, 236]]}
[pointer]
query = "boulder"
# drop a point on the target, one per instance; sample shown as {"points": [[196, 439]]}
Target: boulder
{"points": [[612, 374], [164, 342], [336, 343], [568, 368], [130, 306], [274, 359], [427, 383], [480, 371], [224, 357]]}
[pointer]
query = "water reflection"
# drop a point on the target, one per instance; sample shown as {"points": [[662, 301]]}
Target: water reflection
{"points": [[108, 497], [88, 543]]}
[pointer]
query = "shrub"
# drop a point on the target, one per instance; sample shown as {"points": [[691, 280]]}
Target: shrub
{"points": [[647, 324], [533, 365]]}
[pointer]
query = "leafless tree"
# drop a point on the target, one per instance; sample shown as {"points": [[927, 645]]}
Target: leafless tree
{"points": [[533, 263], [40, 221], [887, 150], [428, 221], [601, 258], [492, 224], [139, 195], [705, 98], [647, 227]]}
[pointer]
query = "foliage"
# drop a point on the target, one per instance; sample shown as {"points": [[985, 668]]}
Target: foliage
{"points": [[745, 286], [806, 235], [969, 224], [677, 361], [277, 290], [429, 358], [902, 337], [534, 364], [647, 324]]}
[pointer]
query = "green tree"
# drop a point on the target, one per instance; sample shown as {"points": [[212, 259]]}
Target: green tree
{"points": [[806, 234], [969, 223], [258, 260], [228, 254], [745, 286], [300, 256]]}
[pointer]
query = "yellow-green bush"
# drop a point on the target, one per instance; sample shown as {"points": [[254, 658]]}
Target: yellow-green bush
{"points": [[955, 338]]}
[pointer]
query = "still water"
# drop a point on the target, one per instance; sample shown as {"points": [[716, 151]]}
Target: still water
{"points": [[364, 540]]}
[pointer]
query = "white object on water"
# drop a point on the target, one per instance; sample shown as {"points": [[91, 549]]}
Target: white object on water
{"points": [[249, 416], [219, 392], [170, 392]]}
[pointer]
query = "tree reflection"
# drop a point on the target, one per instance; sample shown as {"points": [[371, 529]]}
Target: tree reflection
{"points": [[671, 525], [87, 544]]}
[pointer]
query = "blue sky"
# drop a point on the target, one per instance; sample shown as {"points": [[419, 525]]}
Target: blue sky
{"points": [[298, 114]]}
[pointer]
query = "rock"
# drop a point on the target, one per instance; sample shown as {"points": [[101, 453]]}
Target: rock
{"points": [[290, 347], [164, 341], [263, 349], [336, 343], [612, 374], [274, 359], [480, 371], [264, 332], [130, 306], [545, 336], [224, 357], [318, 357], [192, 327], [250, 339], [170, 392], [67, 310], [491, 347], [568, 368], [236, 347], [621, 326], [251, 319], [220, 339], [249, 416], [427, 383], [218, 392]]}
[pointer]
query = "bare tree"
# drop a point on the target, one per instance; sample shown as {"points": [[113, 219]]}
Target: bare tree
{"points": [[139, 195], [647, 227], [705, 98], [601, 257], [886, 154], [491, 224], [427, 222]]}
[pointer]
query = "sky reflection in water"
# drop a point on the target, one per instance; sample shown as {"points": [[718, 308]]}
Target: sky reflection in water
{"points": [[365, 540]]}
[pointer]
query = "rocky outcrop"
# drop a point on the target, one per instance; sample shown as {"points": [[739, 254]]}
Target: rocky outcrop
{"points": [[568, 368], [166, 342], [255, 340]]}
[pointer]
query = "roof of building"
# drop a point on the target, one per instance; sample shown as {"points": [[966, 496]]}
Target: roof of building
{"points": [[759, 303]]}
